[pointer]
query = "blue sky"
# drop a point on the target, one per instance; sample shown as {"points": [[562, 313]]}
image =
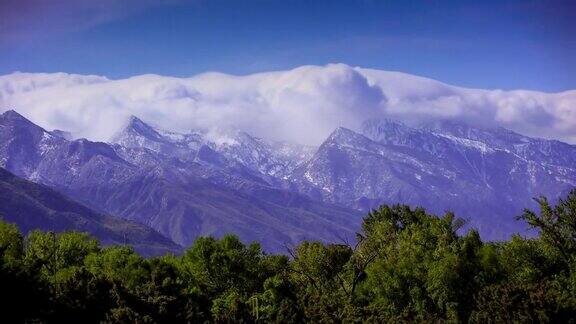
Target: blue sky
{"points": [[484, 44]]}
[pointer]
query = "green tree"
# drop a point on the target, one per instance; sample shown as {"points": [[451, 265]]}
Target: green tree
{"points": [[225, 274], [422, 269]]}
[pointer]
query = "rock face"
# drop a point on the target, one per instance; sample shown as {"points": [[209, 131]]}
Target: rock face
{"points": [[185, 185], [32, 206]]}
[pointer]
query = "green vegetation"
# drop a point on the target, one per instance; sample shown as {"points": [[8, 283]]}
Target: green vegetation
{"points": [[407, 266]]}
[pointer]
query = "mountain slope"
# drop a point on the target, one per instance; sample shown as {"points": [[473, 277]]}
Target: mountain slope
{"points": [[33, 206]]}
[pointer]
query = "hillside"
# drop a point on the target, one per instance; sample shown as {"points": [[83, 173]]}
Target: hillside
{"points": [[32, 206]]}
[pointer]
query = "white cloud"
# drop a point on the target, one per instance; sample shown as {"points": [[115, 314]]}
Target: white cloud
{"points": [[302, 105]]}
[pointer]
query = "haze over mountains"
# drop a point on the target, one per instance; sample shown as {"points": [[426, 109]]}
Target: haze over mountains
{"points": [[285, 156]]}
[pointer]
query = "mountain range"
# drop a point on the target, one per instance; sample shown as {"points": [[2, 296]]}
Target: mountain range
{"points": [[195, 183], [484, 175], [180, 186]]}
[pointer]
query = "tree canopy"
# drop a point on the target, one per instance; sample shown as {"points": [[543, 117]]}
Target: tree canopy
{"points": [[405, 266]]}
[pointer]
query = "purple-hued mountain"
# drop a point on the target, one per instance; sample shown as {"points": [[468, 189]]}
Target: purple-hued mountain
{"points": [[485, 175], [199, 183], [182, 186]]}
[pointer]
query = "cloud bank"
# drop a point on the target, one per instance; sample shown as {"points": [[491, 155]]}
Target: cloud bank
{"points": [[302, 105]]}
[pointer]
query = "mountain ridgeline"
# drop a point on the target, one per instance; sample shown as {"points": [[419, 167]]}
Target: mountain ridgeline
{"points": [[277, 193]]}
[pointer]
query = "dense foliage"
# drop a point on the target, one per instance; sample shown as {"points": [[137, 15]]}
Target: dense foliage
{"points": [[407, 266]]}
